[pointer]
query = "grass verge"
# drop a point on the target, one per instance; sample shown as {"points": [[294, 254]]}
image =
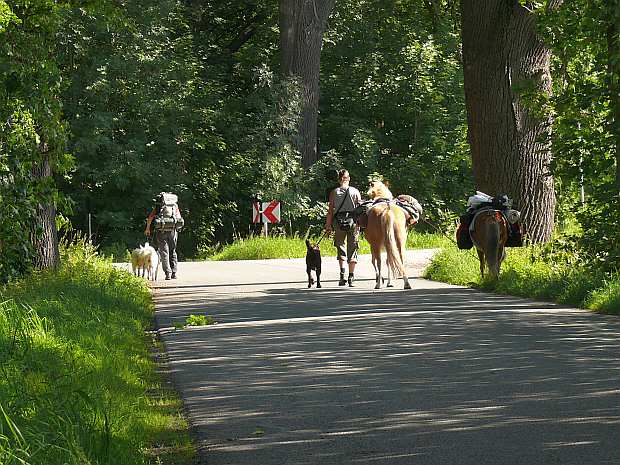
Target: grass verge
{"points": [[78, 381], [525, 273], [259, 248]]}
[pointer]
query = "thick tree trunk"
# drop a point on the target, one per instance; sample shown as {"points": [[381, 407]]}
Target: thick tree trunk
{"points": [[45, 237], [509, 145], [302, 23]]}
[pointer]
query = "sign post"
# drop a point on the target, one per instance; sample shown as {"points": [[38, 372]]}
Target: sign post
{"points": [[266, 212]]}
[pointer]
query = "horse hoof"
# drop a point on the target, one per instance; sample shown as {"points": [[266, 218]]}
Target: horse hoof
{"points": [[309, 286], [318, 285], [407, 286], [378, 286], [390, 285]]}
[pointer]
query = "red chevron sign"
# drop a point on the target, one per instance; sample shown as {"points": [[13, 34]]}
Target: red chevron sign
{"points": [[271, 212], [256, 212]]}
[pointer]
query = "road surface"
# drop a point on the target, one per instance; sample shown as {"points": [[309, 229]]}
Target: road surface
{"points": [[337, 376]]}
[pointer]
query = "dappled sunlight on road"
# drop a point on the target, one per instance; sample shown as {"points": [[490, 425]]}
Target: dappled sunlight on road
{"points": [[436, 375]]}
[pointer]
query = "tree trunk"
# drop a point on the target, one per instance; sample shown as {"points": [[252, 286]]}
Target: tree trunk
{"points": [[45, 236], [510, 145], [302, 23]]}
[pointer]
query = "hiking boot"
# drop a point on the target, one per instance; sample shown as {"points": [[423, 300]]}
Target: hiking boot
{"points": [[342, 281], [174, 276], [351, 281]]}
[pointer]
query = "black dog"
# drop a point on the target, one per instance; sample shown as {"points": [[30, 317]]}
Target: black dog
{"points": [[313, 262]]}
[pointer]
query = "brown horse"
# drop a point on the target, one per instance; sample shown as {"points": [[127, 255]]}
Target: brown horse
{"points": [[489, 235], [387, 230]]}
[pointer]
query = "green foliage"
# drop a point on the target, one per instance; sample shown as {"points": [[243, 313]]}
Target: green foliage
{"points": [[130, 105], [392, 101], [199, 320], [32, 131], [532, 272], [76, 370], [607, 298], [260, 248], [585, 133]]}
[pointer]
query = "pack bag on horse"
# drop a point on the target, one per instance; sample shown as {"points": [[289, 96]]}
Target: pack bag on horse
{"points": [[491, 225], [386, 229], [410, 206]]}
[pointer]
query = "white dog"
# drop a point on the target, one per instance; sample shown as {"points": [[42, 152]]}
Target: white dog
{"points": [[137, 261], [145, 261], [151, 261]]}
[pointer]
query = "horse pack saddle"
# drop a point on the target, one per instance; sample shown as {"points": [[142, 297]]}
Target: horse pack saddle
{"points": [[361, 212]]}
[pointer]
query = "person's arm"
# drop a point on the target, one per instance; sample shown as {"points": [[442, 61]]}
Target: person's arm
{"points": [[357, 201], [149, 220], [330, 214]]}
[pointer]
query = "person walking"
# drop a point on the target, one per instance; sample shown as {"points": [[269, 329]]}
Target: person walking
{"points": [[342, 201], [168, 222]]}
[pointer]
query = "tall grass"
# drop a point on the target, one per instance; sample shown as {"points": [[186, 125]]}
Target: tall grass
{"points": [[529, 273], [77, 383], [259, 248]]}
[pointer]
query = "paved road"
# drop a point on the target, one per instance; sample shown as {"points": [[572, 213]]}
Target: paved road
{"points": [[337, 376]]}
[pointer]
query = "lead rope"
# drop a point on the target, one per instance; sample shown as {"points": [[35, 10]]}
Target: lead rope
{"points": [[450, 238]]}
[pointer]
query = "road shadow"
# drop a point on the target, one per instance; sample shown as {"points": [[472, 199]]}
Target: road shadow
{"points": [[429, 376], [253, 303]]}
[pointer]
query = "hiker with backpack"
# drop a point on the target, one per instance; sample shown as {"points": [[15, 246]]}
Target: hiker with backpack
{"points": [[342, 203], [167, 222]]}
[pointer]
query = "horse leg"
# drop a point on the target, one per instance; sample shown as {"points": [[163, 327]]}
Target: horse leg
{"points": [[481, 258], [501, 256], [402, 242], [376, 263], [389, 275], [493, 248]]}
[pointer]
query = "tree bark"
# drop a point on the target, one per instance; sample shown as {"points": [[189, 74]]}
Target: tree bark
{"points": [[45, 236], [510, 145], [302, 24]]}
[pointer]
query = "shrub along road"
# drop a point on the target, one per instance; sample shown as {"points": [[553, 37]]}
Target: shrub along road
{"points": [[437, 375]]}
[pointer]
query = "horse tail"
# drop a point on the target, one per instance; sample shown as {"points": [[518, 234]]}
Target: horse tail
{"points": [[394, 262], [492, 247]]}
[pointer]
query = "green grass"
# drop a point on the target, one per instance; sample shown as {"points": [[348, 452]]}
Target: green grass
{"points": [[259, 248], [78, 384], [526, 273]]}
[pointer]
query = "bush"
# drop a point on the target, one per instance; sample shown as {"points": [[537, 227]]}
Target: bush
{"points": [[260, 248], [76, 367], [535, 273]]}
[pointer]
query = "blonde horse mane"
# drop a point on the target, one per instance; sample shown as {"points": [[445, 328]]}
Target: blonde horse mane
{"points": [[378, 190]]}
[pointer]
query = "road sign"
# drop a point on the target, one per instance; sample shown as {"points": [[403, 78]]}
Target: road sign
{"points": [[271, 212], [256, 212]]}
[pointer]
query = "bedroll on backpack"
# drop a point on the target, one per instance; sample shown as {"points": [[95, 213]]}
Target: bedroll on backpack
{"points": [[168, 218]]}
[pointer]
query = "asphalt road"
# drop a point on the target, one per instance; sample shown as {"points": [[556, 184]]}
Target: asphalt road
{"points": [[337, 376]]}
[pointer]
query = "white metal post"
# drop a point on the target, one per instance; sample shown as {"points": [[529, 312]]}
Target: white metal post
{"points": [[90, 229]]}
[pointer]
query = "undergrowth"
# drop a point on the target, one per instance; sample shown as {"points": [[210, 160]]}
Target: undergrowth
{"points": [[259, 248], [77, 382], [530, 272]]}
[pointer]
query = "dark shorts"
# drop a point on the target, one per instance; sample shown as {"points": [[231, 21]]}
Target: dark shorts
{"points": [[352, 243]]}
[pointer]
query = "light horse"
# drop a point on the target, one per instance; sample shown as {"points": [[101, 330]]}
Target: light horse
{"points": [[489, 234], [386, 230]]}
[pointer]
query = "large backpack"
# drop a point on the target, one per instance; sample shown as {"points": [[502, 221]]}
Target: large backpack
{"points": [[168, 217]]}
